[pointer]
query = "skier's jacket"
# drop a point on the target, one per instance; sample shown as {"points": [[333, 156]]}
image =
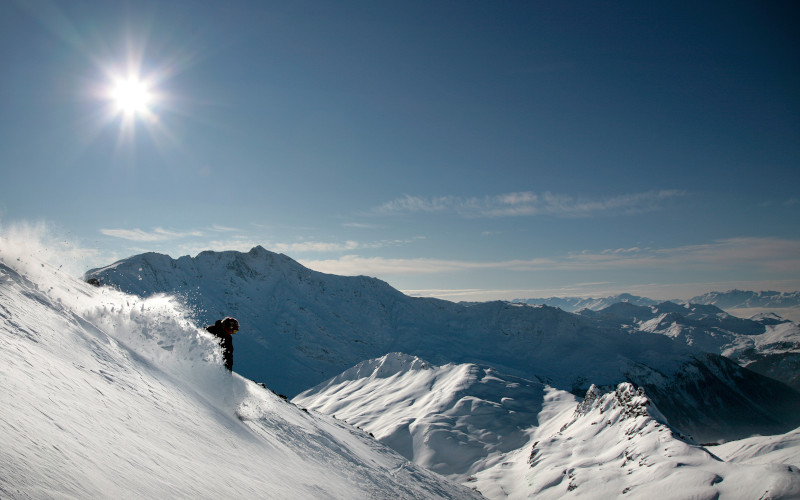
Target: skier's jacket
{"points": [[225, 341]]}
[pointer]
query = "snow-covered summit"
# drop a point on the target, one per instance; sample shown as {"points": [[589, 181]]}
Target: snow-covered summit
{"points": [[108, 395], [453, 419], [617, 445], [392, 364]]}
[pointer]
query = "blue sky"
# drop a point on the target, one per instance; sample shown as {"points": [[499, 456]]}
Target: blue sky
{"points": [[465, 150]]}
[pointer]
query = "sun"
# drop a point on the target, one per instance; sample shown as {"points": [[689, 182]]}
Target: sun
{"points": [[131, 96]]}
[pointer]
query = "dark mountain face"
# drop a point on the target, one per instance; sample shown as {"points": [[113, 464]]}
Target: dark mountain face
{"points": [[300, 327], [712, 399]]}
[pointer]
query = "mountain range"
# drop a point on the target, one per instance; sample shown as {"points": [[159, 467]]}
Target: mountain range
{"points": [[573, 304], [110, 394], [512, 438], [741, 299], [731, 299], [301, 327]]}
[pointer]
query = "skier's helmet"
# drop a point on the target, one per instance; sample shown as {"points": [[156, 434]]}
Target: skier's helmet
{"points": [[231, 323]]}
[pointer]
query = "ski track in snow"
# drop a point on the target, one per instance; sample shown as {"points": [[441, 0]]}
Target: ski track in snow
{"points": [[106, 395]]}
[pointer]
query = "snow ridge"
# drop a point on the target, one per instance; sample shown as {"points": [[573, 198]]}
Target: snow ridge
{"points": [[452, 419], [618, 446]]}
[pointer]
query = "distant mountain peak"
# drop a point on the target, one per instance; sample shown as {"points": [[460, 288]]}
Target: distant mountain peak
{"points": [[741, 299]]}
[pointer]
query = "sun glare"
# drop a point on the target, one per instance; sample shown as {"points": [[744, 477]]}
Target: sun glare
{"points": [[131, 96]]}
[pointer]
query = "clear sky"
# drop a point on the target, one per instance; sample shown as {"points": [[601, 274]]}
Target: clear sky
{"points": [[467, 150]]}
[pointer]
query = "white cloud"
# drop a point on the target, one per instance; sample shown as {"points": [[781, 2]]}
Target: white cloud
{"points": [[315, 246], [359, 225], [756, 254], [157, 234], [527, 203], [343, 246], [222, 229]]}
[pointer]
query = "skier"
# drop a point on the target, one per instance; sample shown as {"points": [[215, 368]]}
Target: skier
{"points": [[224, 329]]}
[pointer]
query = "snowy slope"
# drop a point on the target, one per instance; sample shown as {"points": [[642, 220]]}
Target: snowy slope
{"points": [[529, 440], [781, 449], [106, 395], [301, 327]]}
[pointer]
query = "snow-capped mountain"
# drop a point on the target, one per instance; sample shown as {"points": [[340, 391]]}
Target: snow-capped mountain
{"points": [[301, 327], [572, 304], [741, 299], [784, 305], [513, 438], [107, 395], [453, 419], [766, 344]]}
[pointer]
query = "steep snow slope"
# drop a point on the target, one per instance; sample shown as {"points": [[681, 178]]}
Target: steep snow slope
{"points": [[107, 395], [301, 327], [528, 440]]}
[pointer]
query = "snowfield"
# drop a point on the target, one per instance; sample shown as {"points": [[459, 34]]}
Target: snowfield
{"points": [[106, 395], [612, 445]]}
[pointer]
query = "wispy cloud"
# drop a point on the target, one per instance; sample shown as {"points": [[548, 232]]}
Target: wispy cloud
{"points": [[527, 203], [359, 225], [157, 234], [218, 238], [222, 229], [343, 246], [316, 246], [757, 254]]}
